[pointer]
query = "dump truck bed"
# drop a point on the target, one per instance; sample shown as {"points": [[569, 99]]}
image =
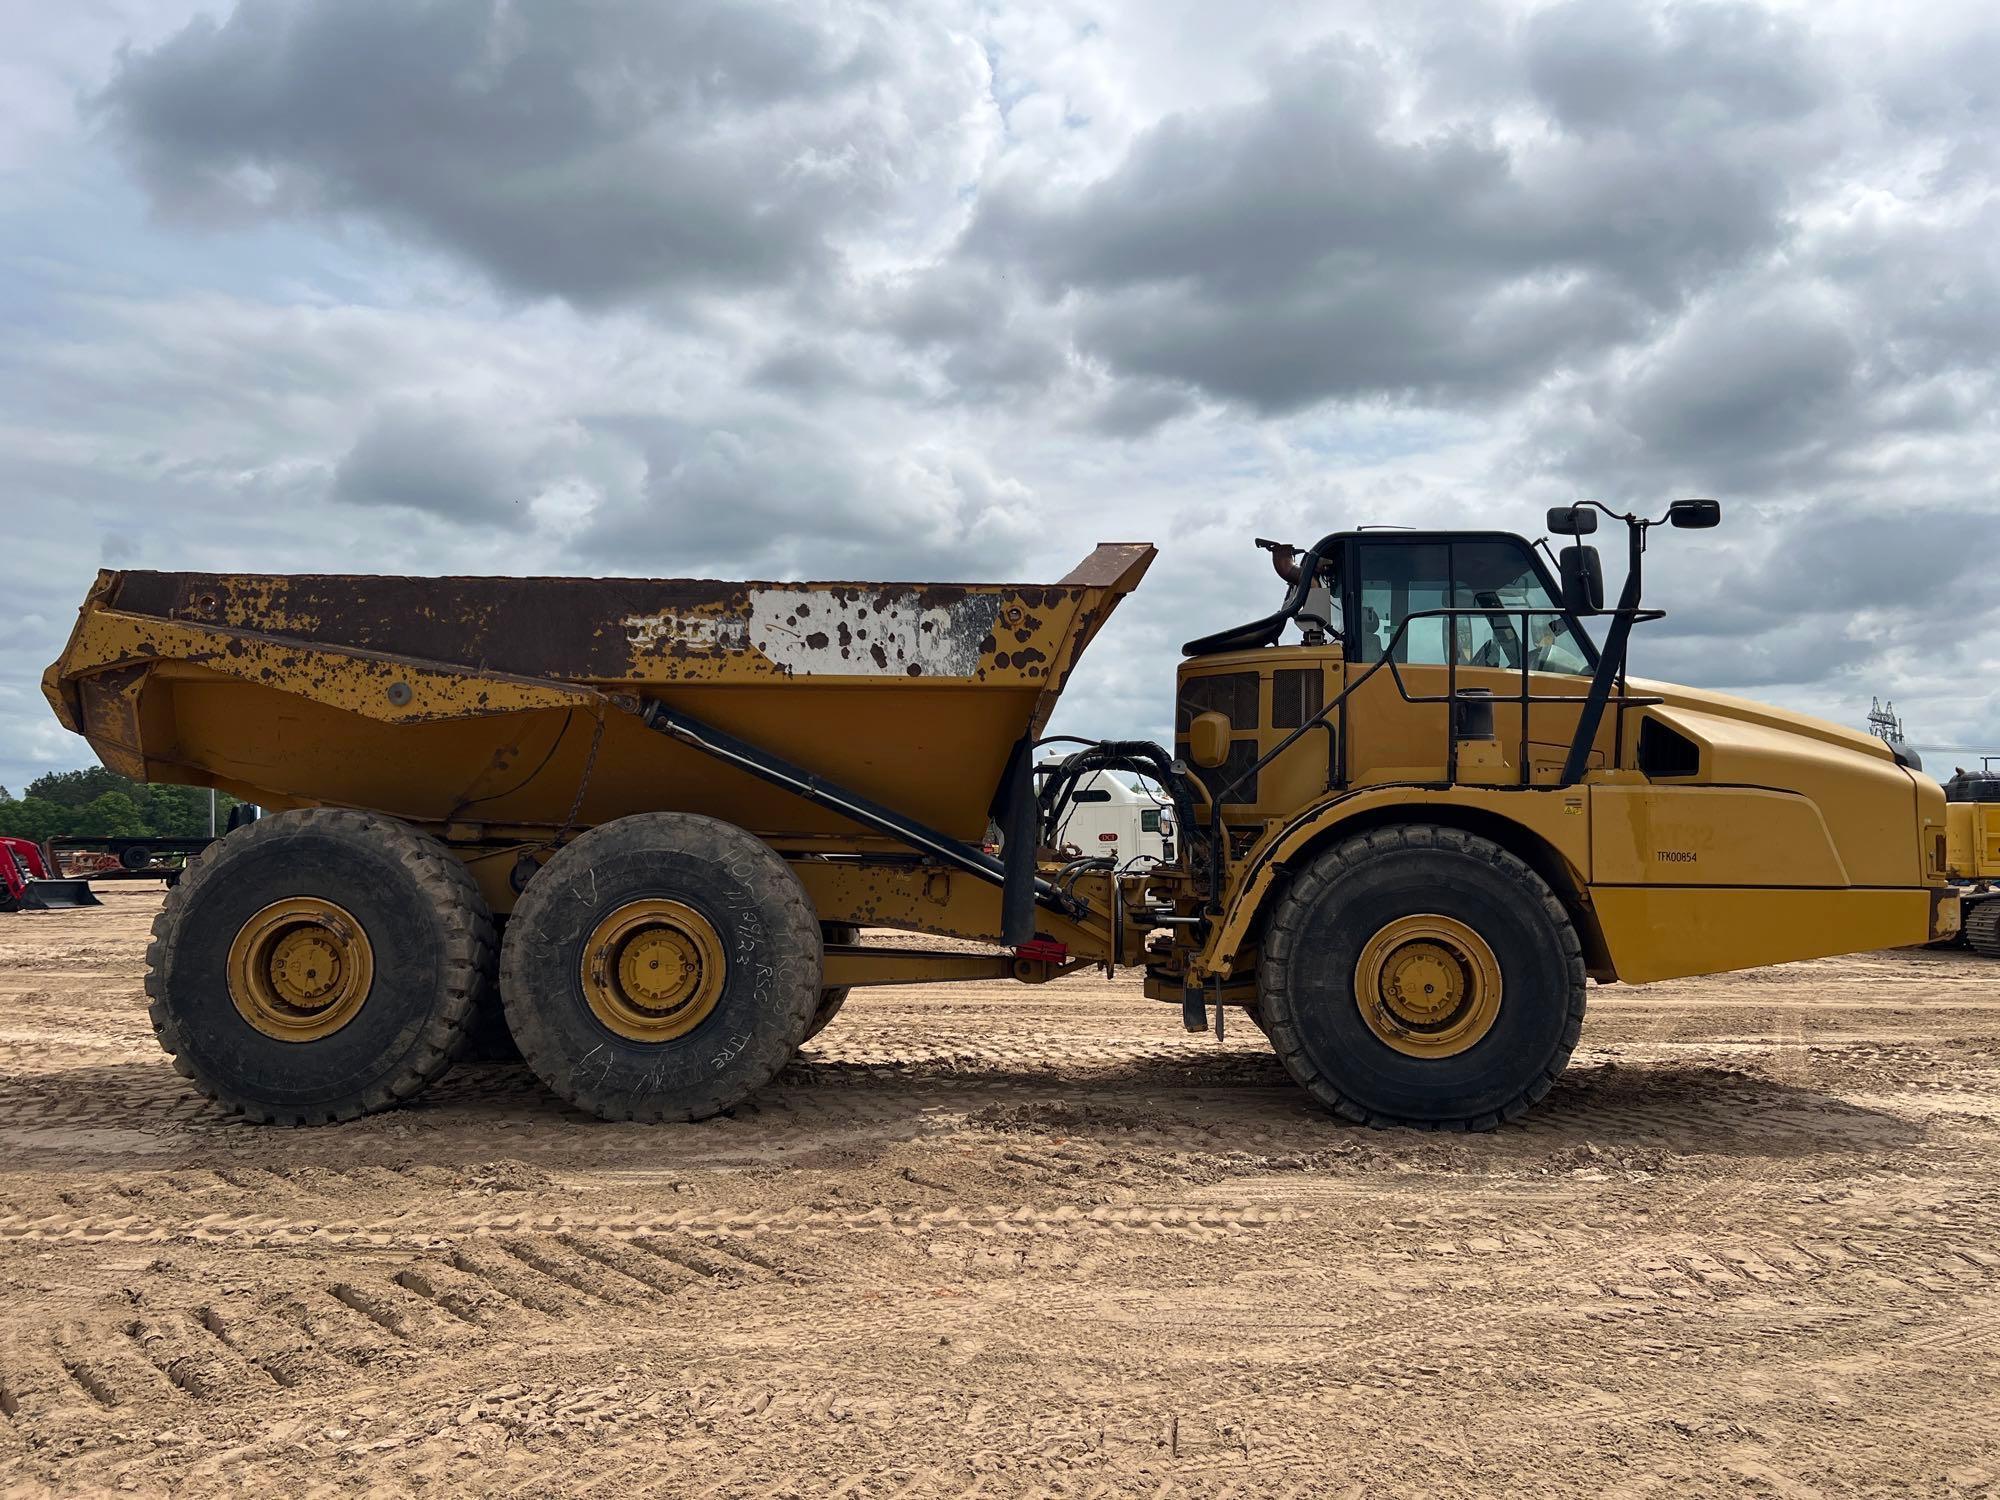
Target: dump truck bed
{"points": [[500, 701]]}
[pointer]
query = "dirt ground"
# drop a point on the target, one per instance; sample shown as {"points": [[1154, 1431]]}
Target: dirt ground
{"points": [[989, 1240]]}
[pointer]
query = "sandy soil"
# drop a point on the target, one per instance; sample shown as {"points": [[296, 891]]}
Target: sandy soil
{"points": [[993, 1240]]}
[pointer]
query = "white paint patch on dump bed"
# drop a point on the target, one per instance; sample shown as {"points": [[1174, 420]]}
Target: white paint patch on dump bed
{"points": [[706, 633], [848, 633]]}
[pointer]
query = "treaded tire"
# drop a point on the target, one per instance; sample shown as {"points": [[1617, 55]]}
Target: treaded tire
{"points": [[434, 952], [830, 1000], [487, 1039], [1313, 944], [1981, 928], [771, 988]]}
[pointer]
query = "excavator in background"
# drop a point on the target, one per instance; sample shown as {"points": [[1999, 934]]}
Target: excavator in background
{"points": [[1972, 835], [1972, 853]]}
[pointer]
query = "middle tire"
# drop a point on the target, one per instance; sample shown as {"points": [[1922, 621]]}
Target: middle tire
{"points": [[830, 1000], [661, 967]]}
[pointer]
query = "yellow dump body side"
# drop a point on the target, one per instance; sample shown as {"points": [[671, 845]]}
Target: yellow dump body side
{"points": [[498, 702]]}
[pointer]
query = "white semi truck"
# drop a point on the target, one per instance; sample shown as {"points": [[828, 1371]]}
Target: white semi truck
{"points": [[1111, 819]]}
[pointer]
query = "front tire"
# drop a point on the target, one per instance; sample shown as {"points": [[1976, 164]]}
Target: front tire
{"points": [[661, 967], [1424, 976], [318, 965]]}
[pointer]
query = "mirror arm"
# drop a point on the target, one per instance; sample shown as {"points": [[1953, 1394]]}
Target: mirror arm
{"points": [[1611, 664]]}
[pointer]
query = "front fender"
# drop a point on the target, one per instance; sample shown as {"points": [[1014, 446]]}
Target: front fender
{"points": [[1547, 826]]}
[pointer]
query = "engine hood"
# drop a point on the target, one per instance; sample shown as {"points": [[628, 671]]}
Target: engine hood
{"points": [[1878, 824], [1764, 716]]}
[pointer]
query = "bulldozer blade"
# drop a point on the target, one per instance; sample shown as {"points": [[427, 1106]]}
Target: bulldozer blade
{"points": [[58, 895]]}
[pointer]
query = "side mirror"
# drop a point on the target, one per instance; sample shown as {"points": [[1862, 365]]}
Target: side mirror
{"points": [[1572, 520], [1694, 515], [1582, 580], [1208, 740]]}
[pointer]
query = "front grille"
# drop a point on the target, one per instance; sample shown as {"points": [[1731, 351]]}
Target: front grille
{"points": [[1242, 756], [1296, 696], [1231, 694]]}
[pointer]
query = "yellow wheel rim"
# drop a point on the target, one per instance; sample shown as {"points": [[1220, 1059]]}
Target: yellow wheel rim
{"points": [[1428, 986], [300, 969], [653, 970]]}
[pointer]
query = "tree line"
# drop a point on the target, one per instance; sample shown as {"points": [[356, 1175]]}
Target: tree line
{"points": [[97, 803]]}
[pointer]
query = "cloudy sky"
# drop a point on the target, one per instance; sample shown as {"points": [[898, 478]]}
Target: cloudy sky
{"points": [[953, 290]]}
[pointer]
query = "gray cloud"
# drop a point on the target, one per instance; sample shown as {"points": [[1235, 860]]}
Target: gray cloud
{"points": [[1683, 69], [1134, 408], [1318, 244], [426, 456], [785, 496], [597, 153]]}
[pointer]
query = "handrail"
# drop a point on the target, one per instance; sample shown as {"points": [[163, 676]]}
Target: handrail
{"points": [[1623, 619], [1523, 698]]}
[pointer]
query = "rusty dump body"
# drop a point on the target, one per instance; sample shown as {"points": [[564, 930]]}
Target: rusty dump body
{"points": [[505, 708]]}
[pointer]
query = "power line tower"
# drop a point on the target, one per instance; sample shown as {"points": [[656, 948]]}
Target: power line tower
{"points": [[1883, 722]]}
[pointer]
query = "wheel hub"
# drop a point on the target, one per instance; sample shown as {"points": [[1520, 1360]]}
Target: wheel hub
{"points": [[653, 969], [1428, 986], [300, 969]]}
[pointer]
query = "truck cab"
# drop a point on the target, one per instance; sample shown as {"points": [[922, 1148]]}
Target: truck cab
{"points": [[1456, 678]]}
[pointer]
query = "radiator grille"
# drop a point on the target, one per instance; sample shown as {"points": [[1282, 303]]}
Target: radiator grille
{"points": [[1231, 694], [1296, 695]]}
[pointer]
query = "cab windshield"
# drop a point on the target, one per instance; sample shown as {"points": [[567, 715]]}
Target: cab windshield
{"points": [[1397, 579]]}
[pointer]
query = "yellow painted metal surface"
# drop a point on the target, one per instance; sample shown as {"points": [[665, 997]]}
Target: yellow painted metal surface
{"points": [[1872, 808], [1972, 844], [653, 969], [947, 904], [1775, 801], [851, 966], [1712, 835], [501, 701], [300, 969], [1669, 932], [1428, 986], [500, 711]]}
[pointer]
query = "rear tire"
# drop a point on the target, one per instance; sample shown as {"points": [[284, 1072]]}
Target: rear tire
{"points": [[661, 967], [1413, 917], [830, 1000], [318, 965]]}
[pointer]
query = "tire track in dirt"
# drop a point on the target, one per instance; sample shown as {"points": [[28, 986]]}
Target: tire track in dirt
{"points": [[266, 1231], [987, 1242], [486, 1277], [327, 1330]]}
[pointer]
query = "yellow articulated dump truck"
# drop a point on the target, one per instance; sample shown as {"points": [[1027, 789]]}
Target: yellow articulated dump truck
{"points": [[1416, 808], [1972, 852]]}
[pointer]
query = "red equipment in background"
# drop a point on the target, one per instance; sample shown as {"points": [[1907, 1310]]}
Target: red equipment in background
{"points": [[26, 883]]}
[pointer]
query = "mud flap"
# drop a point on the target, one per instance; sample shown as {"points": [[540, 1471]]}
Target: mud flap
{"points": [[58, 895]]}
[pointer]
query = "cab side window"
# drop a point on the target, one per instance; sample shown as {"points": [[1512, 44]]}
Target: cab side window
{"points": [[1399, 579]]}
